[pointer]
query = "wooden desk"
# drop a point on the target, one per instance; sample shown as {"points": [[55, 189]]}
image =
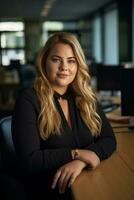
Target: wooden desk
{"points": [[112, 180], [125, 148], [116, 117], [122, 128]]}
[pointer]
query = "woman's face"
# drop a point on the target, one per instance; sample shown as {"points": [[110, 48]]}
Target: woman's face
{"points": [[61, 67]]}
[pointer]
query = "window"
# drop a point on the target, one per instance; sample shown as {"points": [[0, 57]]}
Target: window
{"points": [[97, 42], [12, 42], [111, 55]]}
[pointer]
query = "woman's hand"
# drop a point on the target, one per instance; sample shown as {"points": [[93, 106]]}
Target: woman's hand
{"points": [[66, 175], [88, 157]]}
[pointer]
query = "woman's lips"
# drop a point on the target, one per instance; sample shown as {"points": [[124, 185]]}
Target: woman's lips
{"points": [[62, 75]]}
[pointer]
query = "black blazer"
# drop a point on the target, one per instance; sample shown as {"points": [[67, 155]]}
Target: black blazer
{"points": [[42, 157]]}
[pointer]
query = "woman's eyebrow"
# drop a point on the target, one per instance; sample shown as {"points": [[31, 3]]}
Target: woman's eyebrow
{"points": [[71, 57], [56, 56]]}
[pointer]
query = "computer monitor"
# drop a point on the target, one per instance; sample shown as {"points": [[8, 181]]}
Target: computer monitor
{"points": [[93, 68], [127, 93], [108, 78]]}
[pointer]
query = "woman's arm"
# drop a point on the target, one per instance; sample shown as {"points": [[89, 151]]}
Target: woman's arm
{"points": [[105, 144], [102, 147], [27, 140], [89, 157]]}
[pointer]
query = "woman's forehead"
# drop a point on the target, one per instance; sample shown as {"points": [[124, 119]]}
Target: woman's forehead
{"points": [[61, 49]]}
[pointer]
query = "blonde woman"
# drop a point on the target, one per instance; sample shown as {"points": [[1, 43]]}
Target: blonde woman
{"points": [[58, 127]]}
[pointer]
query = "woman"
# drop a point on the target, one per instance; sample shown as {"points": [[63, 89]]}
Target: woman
{"points": [[58, 127]]}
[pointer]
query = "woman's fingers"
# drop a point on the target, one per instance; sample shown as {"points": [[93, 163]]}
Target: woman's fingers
{"points": [[63, 182], [56, 177], [67, 174], [67, 181], [72, 179]]}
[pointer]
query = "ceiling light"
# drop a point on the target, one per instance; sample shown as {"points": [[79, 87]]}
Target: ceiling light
{"points": [[47, 7]]}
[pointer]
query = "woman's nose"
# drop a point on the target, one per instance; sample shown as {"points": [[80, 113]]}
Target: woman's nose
{"points": [[63, 66]]}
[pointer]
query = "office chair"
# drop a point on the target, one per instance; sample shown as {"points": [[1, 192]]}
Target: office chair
{"points": [[11, 186], [8, 150]]}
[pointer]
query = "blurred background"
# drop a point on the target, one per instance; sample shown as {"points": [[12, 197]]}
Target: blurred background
{"points": [[104, 28]]}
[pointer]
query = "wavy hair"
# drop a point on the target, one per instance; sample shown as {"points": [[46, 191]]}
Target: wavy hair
{"points": [[49, 119]]}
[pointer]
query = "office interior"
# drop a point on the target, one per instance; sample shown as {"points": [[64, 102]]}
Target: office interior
{"points": [[104, 29]]}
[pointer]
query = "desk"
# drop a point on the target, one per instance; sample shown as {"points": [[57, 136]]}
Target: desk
{"points": [[115, 116], [9, 85], [125, 148], [121, 128], [112, 180]]}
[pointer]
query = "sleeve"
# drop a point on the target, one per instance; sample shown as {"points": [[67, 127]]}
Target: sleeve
{"points": [[26, 139], [105, 144]]}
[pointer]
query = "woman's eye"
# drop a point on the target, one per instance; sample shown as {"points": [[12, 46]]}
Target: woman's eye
{"points": [[71, 61], [55, 60]]}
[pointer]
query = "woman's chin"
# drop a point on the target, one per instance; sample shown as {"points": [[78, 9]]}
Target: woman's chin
{"points": [[63, 83]]}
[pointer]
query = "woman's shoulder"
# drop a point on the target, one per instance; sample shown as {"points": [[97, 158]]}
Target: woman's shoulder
{"points": [[28, 94], [26, 102]]}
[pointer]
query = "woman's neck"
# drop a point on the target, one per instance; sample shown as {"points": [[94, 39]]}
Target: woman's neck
{"points": [[60, 90]]}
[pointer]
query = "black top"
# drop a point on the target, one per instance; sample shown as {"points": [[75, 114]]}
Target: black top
{"points": [[39, 156]]}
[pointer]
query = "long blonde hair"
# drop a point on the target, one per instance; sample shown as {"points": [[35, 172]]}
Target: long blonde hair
{"points": [[49, 118]]}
